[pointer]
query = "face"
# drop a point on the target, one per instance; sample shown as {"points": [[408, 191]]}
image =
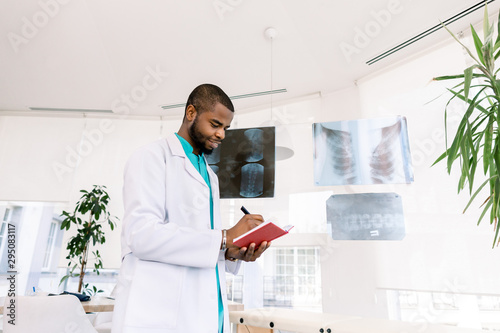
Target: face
{"points": [[208, 128]]}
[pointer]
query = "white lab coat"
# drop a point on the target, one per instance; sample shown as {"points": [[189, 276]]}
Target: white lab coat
{"points": [[167, 280]]}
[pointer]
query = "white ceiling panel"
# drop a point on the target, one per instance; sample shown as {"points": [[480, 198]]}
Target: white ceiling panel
{"points": [[133, 56]]}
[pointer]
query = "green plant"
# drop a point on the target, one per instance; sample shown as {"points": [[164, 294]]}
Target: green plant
{"points": [[91, 290], [477, 137], [89, 216]]}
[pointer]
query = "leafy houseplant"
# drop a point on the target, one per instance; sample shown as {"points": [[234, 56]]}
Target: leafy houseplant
{"points": [[89, 216], [477, 137]]}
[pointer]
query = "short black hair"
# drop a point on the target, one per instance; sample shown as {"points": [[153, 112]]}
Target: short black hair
{"points": [[205, 96]]}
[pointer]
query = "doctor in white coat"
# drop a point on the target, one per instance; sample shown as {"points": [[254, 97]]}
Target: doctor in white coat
{"points": [[174, 253]]}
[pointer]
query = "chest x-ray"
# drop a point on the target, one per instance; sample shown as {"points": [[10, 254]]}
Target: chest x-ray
{"points": [[360, 152]]}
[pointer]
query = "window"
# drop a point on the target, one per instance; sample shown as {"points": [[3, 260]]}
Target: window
{"points": [[408, 299], [296, 280], [38, 244], [488, 303], [444, 301], [6, 214], [447, 307], [234, 287], [49, 248], [5, 221]]}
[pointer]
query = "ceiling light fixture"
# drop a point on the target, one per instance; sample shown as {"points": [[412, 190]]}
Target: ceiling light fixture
{"points": [[427, 32], [256, 94], [70, 110]]}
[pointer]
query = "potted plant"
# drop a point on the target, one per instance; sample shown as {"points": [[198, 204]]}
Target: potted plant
{"points": [[89, 216], [477, 139]]}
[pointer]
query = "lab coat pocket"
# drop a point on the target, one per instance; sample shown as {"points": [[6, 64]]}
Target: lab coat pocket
{"points": [[155, 295]]}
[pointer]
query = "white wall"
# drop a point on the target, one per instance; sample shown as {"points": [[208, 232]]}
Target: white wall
{"points": [[50, 159], [442, 251]]}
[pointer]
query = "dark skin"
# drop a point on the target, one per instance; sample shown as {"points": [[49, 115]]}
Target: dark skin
{"points": [[205, 131]]}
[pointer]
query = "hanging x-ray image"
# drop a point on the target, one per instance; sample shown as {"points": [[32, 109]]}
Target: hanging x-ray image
{"points": [[360, 152], [244, 163], [365, 216]]}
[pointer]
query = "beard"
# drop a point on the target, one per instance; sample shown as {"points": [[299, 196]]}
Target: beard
{"points": [[198, 138]]}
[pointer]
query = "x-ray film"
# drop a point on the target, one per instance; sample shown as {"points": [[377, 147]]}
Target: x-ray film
{"points": [[244, 163], [361, 152], [365, 216]]}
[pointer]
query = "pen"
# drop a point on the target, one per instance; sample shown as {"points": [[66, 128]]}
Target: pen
{"points": [[244, 210]]}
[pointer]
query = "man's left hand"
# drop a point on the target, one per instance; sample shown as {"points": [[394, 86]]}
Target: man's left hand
{"points": [[247, 254]]}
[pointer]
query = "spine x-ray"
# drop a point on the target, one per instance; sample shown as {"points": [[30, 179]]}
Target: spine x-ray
{"points": [[365, 216], [360, 152], [244, 163]]}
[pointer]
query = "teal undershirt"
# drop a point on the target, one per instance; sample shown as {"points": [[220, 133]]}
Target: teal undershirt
{"points": [[198, 162]]}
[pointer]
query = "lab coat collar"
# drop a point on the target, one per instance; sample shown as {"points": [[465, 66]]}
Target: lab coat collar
{"points": [[177, 150], [175, 145]]}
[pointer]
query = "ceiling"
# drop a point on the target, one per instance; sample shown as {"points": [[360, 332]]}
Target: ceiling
{"points": [[134, 56]]}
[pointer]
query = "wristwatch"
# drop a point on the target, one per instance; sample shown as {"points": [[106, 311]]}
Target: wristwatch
{"points": [[224, 240], [224, 246]]}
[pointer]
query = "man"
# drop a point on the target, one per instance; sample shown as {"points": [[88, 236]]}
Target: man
{"points": [[174, 252]]}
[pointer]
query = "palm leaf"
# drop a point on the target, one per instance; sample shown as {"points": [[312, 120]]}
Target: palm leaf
{"points": [[478, 44], [459, 42], [477, 192], [467, 81]]}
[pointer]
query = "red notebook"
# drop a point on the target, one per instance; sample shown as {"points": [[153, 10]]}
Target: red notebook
{"points": [[266, 231]]}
